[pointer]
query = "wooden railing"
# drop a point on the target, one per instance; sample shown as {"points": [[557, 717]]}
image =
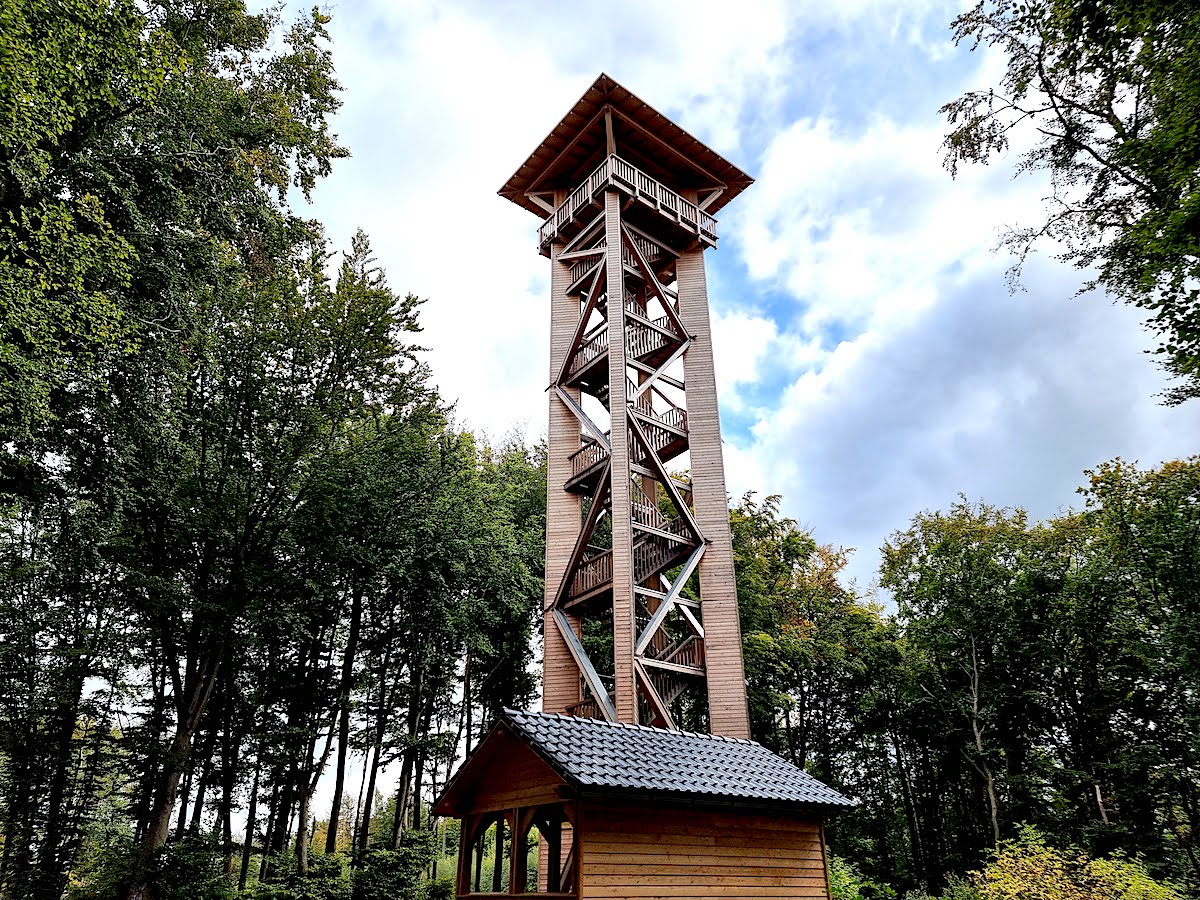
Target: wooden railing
{"points": [[584, 709], [592, 573], [656, 194], [593, 347], [582, 266], [674, 417], [617, 172], [587, 456], [642, 340], [688, 652], [650, 250], [577, 199], [654, 554]]}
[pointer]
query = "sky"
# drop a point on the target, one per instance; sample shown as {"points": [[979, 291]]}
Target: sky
{"points": [[871, 360]]}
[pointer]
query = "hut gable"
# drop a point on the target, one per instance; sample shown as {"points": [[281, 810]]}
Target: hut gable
{"points": [[502, 773]]}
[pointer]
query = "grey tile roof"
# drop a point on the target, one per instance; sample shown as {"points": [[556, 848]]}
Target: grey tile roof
{"points": [[601, 755]]}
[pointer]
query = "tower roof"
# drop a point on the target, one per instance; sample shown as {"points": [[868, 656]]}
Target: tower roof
{"points": [[643, 136]]}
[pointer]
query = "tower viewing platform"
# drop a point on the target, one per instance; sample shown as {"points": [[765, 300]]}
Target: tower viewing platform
{"points": [[678, 184]]}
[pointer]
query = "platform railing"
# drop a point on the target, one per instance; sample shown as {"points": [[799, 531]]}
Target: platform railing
{"points": [[592, 573], [587, 456], [616, 172]]}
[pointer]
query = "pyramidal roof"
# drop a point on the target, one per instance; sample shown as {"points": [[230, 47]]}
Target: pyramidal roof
{"points": [[643, 136]]}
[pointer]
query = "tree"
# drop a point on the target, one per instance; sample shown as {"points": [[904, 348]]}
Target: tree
{"points": [[1111, 91]]}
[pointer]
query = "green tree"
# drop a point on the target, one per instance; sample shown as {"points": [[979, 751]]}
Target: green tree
{"points": [[1111, 91]]}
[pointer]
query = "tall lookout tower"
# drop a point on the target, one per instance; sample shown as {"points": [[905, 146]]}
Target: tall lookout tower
{"points": [[605, 793], [633, 402]]}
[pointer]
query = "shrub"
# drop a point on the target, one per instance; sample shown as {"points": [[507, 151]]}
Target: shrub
{"points": [[847, 883], [1027, 868]]}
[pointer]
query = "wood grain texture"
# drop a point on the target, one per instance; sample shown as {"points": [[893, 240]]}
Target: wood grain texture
{"points": [[560, 675], [728, 712], [673, 850], [624, 620]]}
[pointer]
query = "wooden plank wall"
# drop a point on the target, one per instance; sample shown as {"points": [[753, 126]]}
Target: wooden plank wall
{"points": [[728, 712], [657, 851], [560, 675]]}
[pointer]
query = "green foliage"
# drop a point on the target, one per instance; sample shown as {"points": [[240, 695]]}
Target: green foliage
{"points": [[847, 883], [1032, 672], [1027, 867], [440, 889], [192, 869], [395, 874], [1113, 89], [329, 878]]}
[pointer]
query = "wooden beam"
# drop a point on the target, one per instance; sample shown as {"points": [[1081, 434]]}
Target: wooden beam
{"points": [[587, 231], [585, 665], [691, 163], [651, 693], [667, 481], [465, 828], [573, 347], [610, 139], [652, 281], [540, 201], [565, 150], [710, 198], [580, 254], [603, 490], [664, 608], [672, 667], [657, 374], [583, 417]]}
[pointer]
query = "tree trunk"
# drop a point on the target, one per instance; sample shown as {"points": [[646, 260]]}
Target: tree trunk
{"points": [[467, 699], [50, 877], [498, 860], [264, 864], [251, 825], [364, 827], [184, 793], [230, 745], [159, 824], [345, 684], [415, 706], [982, 765], [206, 767], [191, 700]]}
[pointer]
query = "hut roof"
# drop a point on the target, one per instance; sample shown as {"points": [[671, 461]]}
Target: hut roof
{"points": [[596, 756]]}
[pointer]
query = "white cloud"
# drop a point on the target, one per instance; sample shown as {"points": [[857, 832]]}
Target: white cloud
{"points": [[887, 263]]}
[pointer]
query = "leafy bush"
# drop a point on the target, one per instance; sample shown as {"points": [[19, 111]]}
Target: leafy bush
{"points": [[395, 874], [106, 859], [847, 883], [440, 888], [193, 869], [1027, 867]]}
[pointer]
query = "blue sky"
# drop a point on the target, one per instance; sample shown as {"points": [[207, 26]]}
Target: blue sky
{"points": [[871, 360]]}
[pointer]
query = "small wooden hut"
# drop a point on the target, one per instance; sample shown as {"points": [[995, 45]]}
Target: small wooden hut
{"points": [[631, 811]]}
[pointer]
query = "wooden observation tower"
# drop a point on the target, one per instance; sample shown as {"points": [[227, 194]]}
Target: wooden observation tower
{"points": [[641, 613], [628, 200]]}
